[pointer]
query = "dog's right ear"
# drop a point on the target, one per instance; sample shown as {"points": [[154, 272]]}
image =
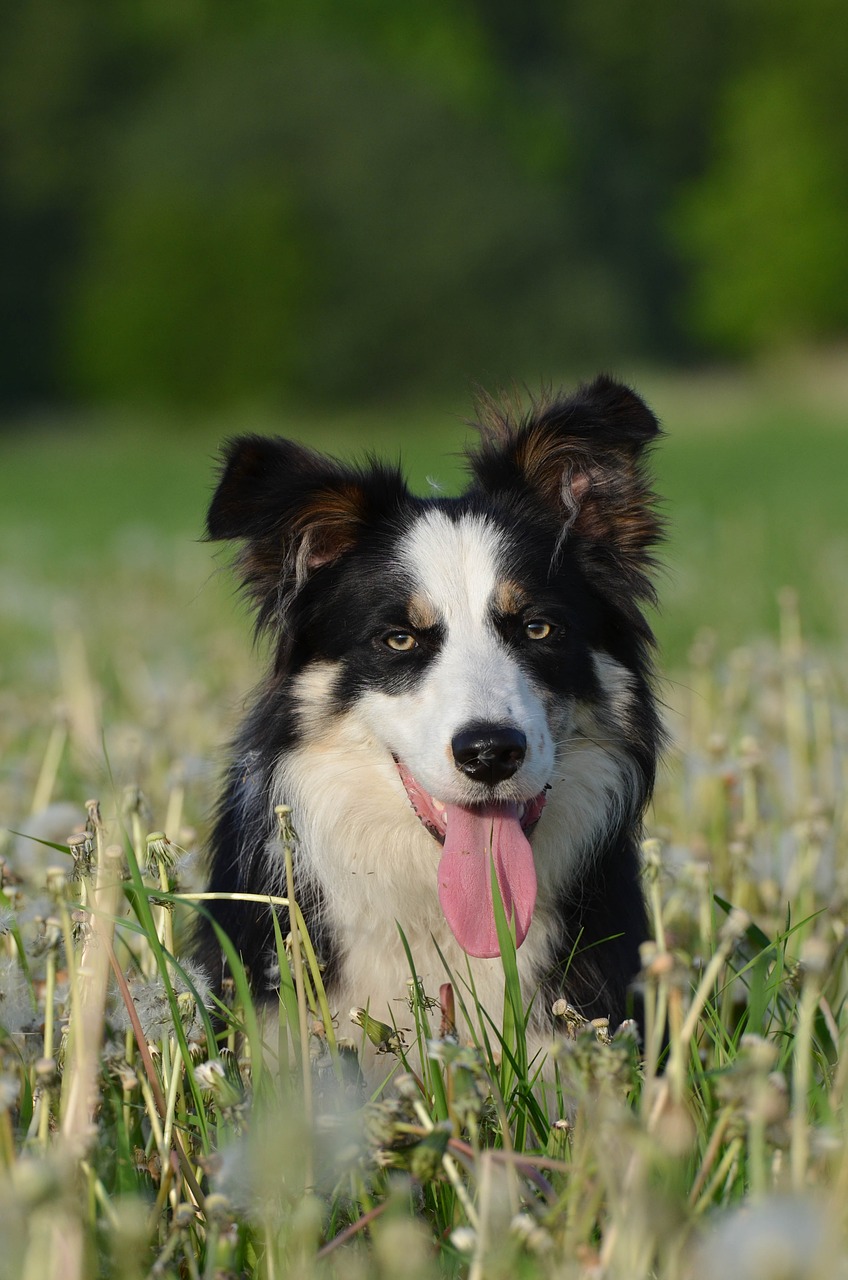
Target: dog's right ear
{"points": [[295, 511]]}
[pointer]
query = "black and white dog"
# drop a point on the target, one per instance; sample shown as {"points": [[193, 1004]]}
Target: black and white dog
{"points": [[456, 683]]}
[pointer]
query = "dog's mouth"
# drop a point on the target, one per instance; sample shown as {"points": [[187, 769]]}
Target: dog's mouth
{"points": [[473, 837]]}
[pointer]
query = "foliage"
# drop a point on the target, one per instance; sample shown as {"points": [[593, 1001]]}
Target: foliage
{"points": [[765, 224], [219, 204], [316, 226]]}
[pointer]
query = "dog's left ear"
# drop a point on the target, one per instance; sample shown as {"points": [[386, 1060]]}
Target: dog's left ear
{"points": [[294, 511], [585, 458]]}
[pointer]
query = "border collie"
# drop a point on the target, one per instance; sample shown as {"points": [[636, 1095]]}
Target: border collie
{"points": [[457, 684]]}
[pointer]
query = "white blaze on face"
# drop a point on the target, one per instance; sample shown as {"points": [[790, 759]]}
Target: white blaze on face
{"points": [[454, 568]]}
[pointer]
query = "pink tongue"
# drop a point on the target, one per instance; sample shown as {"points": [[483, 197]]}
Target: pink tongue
{"points": [[465, 881]]}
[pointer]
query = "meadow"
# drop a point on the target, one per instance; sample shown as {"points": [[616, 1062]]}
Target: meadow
{"points": [[137, 1139]]}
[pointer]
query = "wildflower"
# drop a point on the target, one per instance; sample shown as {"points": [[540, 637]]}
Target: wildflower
{"points": [[221, 1078]]}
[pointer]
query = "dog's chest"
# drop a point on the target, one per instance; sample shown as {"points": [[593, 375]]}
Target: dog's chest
{"points": [[376, 872]]}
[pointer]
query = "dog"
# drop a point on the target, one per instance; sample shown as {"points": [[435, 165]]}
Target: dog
{"points": [[459, 704]]}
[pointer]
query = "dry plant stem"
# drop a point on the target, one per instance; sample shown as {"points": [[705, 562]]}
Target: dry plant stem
{"points": [[270, 1263], [73, 964], [476, 1270], [140, 1038], [727, 940], [757, 1150], [449, 1166], [174, 812], [64, 1245], [92, 973], [49, 1013], [100, 1194], [264, 898], [49, 767], [802, 1075], [659, 1095], [190, 1260], [211, 1269], [724, 1173], [166, 920], [152, 1109], [528, 1166], [352, 1230], [7, 1140], [283, 813], [171, 1102], [710, 1155], [678, 1046], [151, 1082]]}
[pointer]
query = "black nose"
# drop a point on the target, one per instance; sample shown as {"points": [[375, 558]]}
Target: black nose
{"points": [[489, 752]]}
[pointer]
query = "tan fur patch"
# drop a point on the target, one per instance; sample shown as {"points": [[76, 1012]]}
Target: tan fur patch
{"points": [[421, 613], [510, 598]]}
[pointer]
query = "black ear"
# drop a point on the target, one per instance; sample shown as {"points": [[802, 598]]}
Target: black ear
{"points": [[295, 510], [585, 458]]}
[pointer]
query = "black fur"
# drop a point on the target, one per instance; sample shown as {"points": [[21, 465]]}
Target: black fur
{"points": [[566, 484]]}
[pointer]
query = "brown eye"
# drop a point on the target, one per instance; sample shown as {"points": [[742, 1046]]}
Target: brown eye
{"points": [[537, 630], [400, 641]]}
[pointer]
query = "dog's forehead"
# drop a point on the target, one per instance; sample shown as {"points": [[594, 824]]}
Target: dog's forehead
{"points": [[458, 566]]}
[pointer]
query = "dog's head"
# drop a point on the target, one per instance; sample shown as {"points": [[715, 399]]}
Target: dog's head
{"points": [[465, 634]]}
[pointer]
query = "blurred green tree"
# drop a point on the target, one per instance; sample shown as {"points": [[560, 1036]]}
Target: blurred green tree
{"points": [[283, 216], [212, 204], [71, 72], [765, 227]]}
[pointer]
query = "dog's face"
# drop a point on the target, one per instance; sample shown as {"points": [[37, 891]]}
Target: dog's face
{"points": [[464, 635]]}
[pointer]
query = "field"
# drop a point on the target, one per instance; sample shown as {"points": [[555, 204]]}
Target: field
{"points": [[130, 1146]]}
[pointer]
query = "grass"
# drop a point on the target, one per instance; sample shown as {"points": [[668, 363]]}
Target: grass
{"points": [[137, 1139], [751, 471]]}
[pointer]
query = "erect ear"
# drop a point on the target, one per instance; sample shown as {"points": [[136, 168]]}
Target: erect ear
{"points": [[585, 458], [295, 510]]}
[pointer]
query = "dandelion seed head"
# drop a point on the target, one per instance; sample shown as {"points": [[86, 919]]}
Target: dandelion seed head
{"points": [[464, 1239], [17, 1008]]}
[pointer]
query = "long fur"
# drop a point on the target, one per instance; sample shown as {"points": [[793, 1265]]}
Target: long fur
{"points": [[556, 531]]}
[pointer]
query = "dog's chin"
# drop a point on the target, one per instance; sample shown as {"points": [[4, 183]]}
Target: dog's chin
{"points": [[433, 813]]}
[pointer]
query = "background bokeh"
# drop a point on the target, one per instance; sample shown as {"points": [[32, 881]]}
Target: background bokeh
{"points": [[333, 220], [206, 205]]}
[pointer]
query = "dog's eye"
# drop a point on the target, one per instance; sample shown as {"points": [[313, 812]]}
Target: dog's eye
{"points": [[537, 630], [400, 641]]}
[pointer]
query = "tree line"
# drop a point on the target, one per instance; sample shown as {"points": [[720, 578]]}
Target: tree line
{"points": [[207, 204]]}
